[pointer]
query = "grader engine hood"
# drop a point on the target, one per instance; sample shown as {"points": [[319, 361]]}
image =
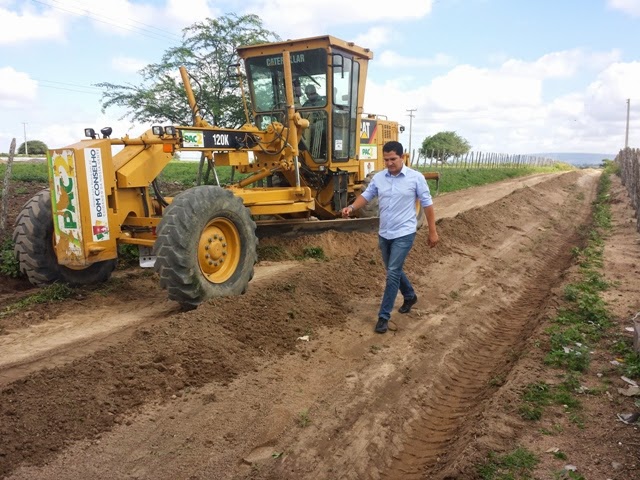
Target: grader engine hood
{"points": [[81, 178]]}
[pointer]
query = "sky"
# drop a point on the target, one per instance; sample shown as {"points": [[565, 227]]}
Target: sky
{"points": [[509, 76]]}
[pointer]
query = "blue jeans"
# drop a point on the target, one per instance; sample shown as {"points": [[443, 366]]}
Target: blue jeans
{"points": [[394, 253]]}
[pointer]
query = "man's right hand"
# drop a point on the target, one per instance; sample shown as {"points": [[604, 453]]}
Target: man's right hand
{"points": [[346, 211]]}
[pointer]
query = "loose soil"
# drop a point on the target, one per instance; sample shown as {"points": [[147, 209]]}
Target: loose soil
{"points": [[289, 381]]}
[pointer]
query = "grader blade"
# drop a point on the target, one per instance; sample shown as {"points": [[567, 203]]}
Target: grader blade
{"points": [[289, 228]]}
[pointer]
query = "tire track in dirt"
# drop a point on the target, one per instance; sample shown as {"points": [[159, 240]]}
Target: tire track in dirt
{"points": [[393, 428], [442, 428]]}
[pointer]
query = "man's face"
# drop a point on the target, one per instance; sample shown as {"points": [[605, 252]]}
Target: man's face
{"points": [[393, 162]]}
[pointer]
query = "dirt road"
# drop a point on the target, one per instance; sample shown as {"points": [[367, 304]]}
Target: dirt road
{"points": [[289, 381]]}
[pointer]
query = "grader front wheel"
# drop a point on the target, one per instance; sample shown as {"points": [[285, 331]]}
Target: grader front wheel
{"points": [[219, 250], [205, 246]]}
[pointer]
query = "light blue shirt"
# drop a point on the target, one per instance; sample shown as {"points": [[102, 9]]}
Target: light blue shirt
{"points": [[397, 195]]}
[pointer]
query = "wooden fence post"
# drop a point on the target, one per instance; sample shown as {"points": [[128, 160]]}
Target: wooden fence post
{"points": [[5, 188]]}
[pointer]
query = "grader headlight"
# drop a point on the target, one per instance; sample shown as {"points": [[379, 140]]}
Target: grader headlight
{"points": [[157, 130], [170, 130]]}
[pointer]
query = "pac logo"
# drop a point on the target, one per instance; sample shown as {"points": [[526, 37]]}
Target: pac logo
{"points": [[192, 139]]}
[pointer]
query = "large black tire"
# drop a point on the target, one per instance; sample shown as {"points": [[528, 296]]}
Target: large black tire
{"points": [[33, 239], [206, 246]]}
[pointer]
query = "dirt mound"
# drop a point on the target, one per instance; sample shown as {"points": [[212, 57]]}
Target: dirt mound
{"points": [[288, 380]]}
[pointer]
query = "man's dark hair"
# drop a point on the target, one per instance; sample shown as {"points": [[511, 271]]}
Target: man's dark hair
{"points": [[393, 146]]}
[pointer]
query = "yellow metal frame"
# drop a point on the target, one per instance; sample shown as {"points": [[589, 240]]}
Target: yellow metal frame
{"points": [[133, 215]]}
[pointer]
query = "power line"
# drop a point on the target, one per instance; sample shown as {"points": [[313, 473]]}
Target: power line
{"points": [[161, 30], [71, 90], [88, 87], [115, 22]]}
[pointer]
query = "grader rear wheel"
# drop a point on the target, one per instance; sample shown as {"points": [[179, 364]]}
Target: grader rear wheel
{"points": [[206, 246], [34, 248]]}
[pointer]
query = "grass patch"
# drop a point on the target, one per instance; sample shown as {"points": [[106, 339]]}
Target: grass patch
{"points": [[582, 321], [623, 348], [55, 292], [9, 265], [128, 255], [518, 464], [185, 173], [586, 317], [455, 178], [303, 420], [568, 349], [537, 396], [316, 253], [182, 172], [27, 172]]}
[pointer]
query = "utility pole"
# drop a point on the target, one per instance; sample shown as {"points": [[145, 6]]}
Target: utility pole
{"points": [[626, 135], [411, 110], [26, 148]]}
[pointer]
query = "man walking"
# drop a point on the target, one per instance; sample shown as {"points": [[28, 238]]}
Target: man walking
{"points": [[397, 188]]}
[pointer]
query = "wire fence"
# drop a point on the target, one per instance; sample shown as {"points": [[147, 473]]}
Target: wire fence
{"points": [[629, 161], [437, 160]]}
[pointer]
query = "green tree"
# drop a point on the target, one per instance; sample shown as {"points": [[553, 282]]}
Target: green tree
{"points": [[444, 145], [208, 49], [34, 147]]}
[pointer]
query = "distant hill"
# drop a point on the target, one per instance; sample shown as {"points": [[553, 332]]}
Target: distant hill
{"points": [[578, 159]]}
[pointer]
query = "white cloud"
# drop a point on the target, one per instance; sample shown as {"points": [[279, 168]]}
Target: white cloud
{"points": [[28, 24], [186, 13], [128, 64], [503, 109], [303, 19], [631, 7], [467, 88], [606, 97], [561, 64], [46, 21], [391, 59], [58, 135], [374, 37], [16, 88]]}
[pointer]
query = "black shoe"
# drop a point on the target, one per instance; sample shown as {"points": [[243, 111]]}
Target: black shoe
{"points": [[382, 325], [406, 306]]}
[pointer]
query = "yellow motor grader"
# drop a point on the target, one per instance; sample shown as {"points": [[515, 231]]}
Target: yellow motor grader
{"points": [[308, 152]]}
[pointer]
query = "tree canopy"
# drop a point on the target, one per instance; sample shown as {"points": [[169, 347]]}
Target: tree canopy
{"points": [[444, 145], [208, 49], [34, 147]]}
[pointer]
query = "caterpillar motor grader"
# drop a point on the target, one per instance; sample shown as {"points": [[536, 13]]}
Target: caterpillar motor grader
{"points": [[306, 154]]}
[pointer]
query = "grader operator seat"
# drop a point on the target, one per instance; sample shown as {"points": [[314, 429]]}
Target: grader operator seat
{"points": [[315, 137], [327, 78]]}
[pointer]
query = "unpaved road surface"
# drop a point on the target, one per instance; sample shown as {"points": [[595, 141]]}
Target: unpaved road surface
{"points": [[289, 381]]}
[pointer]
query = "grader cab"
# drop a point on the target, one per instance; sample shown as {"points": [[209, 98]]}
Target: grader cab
{"points": [[306, 154]]}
